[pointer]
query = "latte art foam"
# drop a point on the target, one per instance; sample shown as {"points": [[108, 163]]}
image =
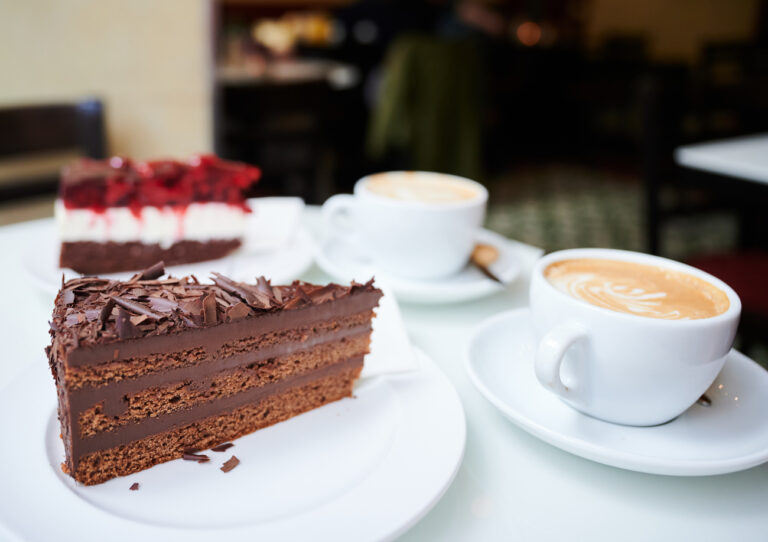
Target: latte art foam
{"points": [[421, 187], [642, 290]]}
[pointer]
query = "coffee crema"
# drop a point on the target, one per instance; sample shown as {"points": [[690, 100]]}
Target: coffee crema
{"points": [[639, 289], [420, 187]]}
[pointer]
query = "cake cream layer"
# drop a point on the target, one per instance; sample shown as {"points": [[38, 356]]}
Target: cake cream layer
{"points": [[213, 338], [154, 425], [150, 225]]}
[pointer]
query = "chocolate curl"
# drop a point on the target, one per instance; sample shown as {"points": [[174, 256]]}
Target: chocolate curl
{"points": [[125, 329], [136, 307], [152, 272]]}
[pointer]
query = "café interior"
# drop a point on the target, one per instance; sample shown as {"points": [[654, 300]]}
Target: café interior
{"points": [[569, 111], [616, 124]]}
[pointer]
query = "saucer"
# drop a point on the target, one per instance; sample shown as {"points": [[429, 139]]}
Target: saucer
{"points": [[728, 436], [340, 260], [275, 245]]}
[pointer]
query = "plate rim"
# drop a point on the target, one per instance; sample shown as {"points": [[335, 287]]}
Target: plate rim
{"points": [[599, 453]]}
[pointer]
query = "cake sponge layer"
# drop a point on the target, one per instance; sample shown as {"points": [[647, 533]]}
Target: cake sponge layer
{"points": [[90, 258]]}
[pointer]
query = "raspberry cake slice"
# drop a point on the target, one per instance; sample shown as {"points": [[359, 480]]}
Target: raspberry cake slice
{"points": [[118, 215], [151, 369]]}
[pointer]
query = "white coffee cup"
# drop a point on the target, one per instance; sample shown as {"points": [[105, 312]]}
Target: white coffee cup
{"points": [[411, 235], [621, 367]]}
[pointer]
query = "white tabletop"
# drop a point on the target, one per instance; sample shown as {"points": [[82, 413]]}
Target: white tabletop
{"points": [[511, 486], [744, 158]]}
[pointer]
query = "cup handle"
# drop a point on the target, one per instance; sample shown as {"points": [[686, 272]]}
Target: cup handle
{"points": [[336, 213], [549, 359]]}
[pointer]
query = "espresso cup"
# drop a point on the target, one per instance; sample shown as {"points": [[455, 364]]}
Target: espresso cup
{"points": [[411, 224], [610, 351]]}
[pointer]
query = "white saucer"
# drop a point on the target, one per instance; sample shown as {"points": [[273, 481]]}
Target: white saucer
{"points": [[275, 246], [728, 436], [340, 260], [365, 468]]}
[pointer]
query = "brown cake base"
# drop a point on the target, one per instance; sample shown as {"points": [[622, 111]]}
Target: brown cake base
{"points": [[100, 466], [91, 258]]}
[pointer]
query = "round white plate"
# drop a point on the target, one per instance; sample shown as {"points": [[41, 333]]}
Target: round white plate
{"points": [[340, 260], [281, 264], [365, 468], [728, 436]]}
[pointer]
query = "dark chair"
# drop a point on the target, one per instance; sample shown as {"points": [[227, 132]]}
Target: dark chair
{"points": [[30, 131], [669, 108], [673, 191]]}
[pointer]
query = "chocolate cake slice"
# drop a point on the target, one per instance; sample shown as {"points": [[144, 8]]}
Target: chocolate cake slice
{"points": [[152, 368], [119, 215]]}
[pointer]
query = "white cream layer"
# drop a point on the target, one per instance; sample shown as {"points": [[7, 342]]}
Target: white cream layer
{"points": [[162, 225]]}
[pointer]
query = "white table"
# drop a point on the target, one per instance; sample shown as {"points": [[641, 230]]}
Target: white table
{"points": [[511, 486], [744, 158]]}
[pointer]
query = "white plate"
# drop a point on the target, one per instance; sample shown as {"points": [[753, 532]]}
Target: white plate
{"points": [[358, 469], [339, 259], [275, 246], [728, 436]]}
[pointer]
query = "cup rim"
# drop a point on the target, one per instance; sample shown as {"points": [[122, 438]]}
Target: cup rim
{"points": [[480, 199], [733, 311]]}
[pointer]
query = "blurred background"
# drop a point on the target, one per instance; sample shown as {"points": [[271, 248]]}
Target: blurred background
{"points": [[568, 110]]}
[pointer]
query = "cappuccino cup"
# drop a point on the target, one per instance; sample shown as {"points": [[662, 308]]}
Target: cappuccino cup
{"points": [[626, 337], [411, 224]]}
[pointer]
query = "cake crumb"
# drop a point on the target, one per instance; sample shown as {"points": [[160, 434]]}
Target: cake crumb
{"points": [[230, 464]]}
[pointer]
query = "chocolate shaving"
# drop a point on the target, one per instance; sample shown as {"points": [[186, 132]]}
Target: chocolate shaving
{"points": [[294, 303], [193, 309], [324, 294], [193, 456], [238, 311], [92, 310], [67, 296], [153, 272], [134, 486], [209, 309], [74, 319], [161, 304], [92, 314], [136, 320], [136, 307], [106, 310], [222, 447], [247, 293], [124, 326], [230, 464]]}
